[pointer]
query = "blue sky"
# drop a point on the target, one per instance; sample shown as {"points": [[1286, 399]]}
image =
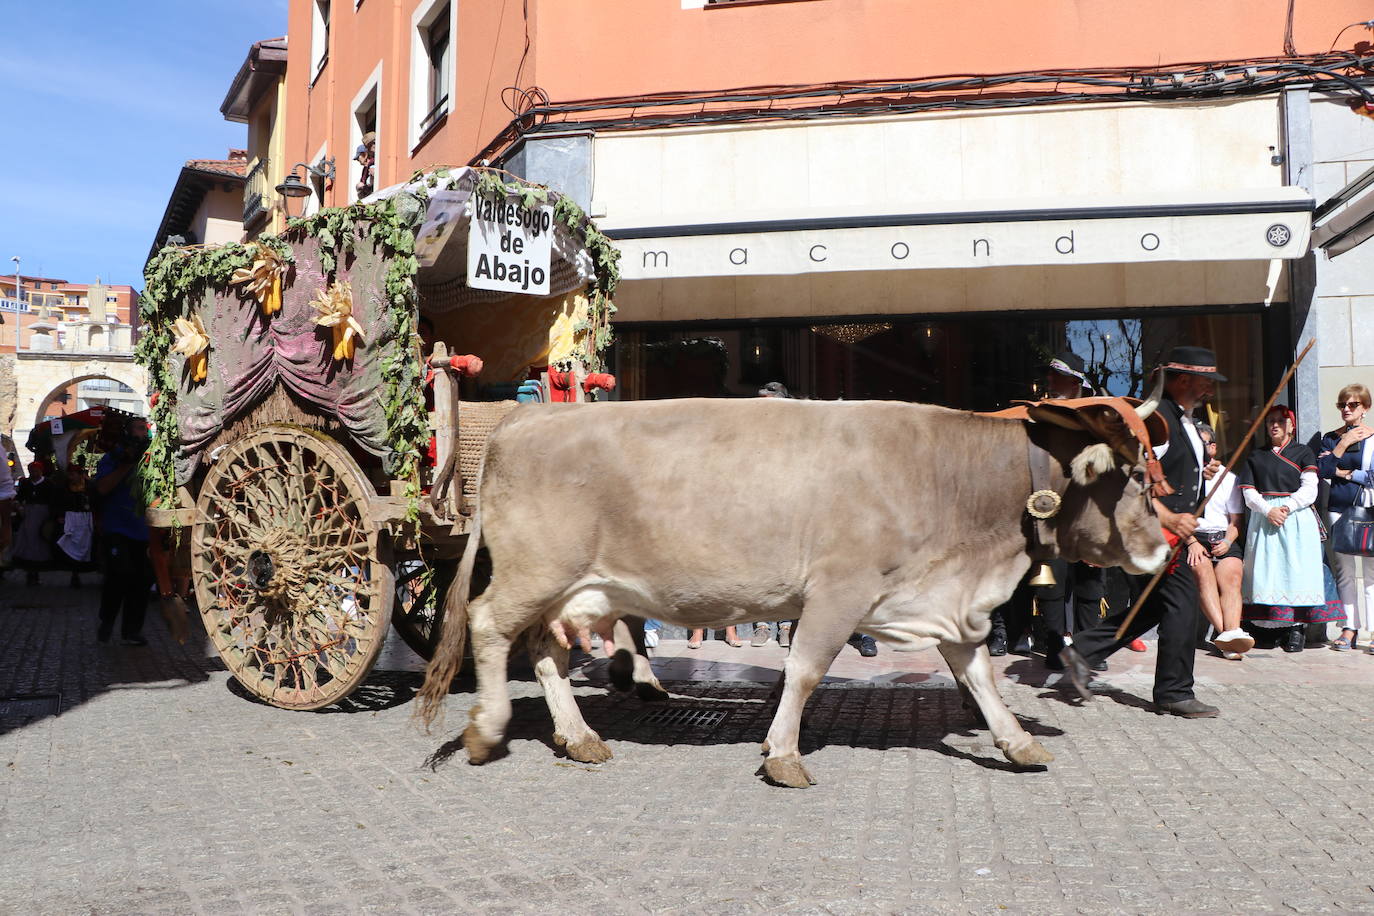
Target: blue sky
{"points": [[100, 105]]}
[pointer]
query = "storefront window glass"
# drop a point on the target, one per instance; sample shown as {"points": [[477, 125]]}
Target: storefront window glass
{"points": [[975, 363]]}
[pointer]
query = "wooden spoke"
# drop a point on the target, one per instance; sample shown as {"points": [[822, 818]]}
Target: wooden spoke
{"points": [[291, 585]]}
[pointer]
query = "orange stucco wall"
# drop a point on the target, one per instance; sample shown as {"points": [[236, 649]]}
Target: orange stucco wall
{"points": [[591, 48]]}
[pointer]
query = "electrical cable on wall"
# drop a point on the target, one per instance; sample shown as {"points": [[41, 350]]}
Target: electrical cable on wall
{"points": [[532, 111]]}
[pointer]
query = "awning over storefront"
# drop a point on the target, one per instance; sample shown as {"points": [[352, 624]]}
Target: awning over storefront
{"points": [[1350, 226], [1262, 225]]}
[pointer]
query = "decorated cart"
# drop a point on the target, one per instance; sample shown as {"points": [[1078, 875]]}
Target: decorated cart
{"points": [[322, 400]]}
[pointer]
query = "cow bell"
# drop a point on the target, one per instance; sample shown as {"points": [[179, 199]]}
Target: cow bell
{"points": [[1044, 575]]}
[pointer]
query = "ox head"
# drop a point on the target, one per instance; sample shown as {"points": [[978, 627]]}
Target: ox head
{"points": [[1104, 469]]}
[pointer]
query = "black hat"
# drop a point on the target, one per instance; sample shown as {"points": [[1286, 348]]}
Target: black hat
{"points": [[774, 390], [1067, 362], [1193, 361]]}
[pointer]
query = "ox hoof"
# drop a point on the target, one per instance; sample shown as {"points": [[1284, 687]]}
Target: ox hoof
{"points": [[589, 750], [787, 772], [478, 748], [650, 693], [1029, 755]]}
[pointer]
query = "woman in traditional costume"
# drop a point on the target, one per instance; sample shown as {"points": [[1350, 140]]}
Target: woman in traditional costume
{"points": [[1284, 587]]}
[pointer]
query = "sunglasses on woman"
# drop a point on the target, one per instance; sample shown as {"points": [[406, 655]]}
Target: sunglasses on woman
{"points": [[1349, 405]]}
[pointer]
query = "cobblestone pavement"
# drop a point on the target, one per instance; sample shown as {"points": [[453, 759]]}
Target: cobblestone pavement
{"points": [[160, 788]]}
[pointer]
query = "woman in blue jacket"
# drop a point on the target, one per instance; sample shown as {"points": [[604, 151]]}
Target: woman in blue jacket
{"points": [[1343, 461]]}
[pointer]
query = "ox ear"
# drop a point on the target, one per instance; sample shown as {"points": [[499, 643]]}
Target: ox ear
{"points": [[1091, 463]]}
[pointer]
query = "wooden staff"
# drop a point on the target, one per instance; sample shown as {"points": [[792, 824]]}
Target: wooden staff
{"points": [[1235, 456]]}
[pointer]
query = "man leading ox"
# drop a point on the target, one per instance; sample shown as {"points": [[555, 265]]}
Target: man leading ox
{"points": [[1189, 377]]}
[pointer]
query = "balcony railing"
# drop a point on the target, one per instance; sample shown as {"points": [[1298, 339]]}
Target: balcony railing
{"points": [[255, 193]]}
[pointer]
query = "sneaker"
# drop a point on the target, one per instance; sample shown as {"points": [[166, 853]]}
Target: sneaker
{"points": [[997, 643], [867, 647], [785, 635], [762, 633], [1136, 645], [1232, 656], [1234, 641]]}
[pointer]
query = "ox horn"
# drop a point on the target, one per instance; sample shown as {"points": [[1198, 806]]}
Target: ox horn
{"points": [[1149, 405]]}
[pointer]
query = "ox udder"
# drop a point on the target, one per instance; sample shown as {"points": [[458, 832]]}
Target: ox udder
{"points": [[699, 512]]}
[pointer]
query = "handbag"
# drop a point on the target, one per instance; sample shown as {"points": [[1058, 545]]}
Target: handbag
{"points": [[1353, 533]]}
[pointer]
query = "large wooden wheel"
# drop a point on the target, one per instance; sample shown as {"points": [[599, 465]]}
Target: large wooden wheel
{"points": [[291, 585]]}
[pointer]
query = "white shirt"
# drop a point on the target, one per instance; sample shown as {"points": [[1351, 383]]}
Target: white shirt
{"points": [[1226, 501], [6, 480]]}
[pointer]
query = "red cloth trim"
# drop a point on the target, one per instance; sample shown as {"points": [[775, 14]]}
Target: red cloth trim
{"points": [[1172, 540], [468, 366], [561, 387], [598, 380], [1291, 464]]}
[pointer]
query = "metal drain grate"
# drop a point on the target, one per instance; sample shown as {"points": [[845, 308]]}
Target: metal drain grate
{"points": [[29, 707], [684, 717]]}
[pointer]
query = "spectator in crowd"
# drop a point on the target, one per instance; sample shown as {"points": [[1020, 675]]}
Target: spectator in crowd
{"points": [[695, 637], [123, 533], [1344, 460], [73, 505], [1283, 584], [366, 157], [7, 494], [1216, 556], [33, 541]]}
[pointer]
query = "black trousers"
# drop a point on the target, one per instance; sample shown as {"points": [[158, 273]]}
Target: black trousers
{"points": [[128, 576], [1173, 607], [1085, 585], [1013, 619]]}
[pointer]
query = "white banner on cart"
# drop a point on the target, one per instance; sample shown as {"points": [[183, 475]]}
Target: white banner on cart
{"points": [[510, 248]]}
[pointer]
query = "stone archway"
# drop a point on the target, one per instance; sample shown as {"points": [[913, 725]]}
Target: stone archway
{"points": [[40, 378]]}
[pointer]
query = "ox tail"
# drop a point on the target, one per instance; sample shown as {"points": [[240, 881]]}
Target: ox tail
{"points": [[448, 657]]}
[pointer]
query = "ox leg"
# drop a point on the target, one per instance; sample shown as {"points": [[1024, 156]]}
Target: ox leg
{"points": [[813, 650], [631, 670], [570, 730], [491, 652], [972, 668]]}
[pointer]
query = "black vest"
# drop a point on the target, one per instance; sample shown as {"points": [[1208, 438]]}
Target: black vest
{"points": [[1179, 462]]}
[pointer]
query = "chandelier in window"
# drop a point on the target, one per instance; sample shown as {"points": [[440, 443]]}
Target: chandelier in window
{"points": [[851, 333]]}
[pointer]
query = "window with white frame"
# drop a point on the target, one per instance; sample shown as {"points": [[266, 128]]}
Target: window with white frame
{"points": [[319, 37], [362, 169], [431, 74]]}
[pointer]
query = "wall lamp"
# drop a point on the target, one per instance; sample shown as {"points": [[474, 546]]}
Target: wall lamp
{"points": [[293, 186]]}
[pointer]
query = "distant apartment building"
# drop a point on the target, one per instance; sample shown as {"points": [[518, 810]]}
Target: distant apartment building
{"points": [[87, 316]]}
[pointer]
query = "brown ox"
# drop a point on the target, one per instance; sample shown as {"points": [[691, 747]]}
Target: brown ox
{"points": [[906, 522]]}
